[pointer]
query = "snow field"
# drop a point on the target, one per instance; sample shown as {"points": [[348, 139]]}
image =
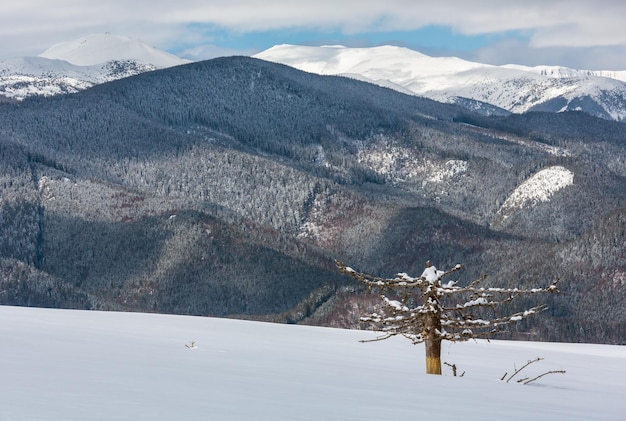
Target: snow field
{"points": [[86, 365]]}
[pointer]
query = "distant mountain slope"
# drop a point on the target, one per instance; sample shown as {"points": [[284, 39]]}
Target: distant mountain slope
{"points": [[566, 72], [490, 90], [514, 88], [36, 76], [101, 48], [229, 186], [74, 66]]}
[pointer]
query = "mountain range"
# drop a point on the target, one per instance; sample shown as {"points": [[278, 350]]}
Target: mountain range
{"points": [[73, 66], [228, 187], [482, 87], [97, 58]]}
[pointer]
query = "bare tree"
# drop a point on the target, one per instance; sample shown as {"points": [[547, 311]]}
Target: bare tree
{"points": [[424, 309]]}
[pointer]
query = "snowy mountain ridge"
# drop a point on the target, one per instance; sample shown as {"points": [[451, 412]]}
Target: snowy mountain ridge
{"points": [[73, 66], [566, 72], [101, 48], [79, 64], [514, 88], [38, 76]]}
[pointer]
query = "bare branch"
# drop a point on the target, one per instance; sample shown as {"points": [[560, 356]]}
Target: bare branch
{"points": [[380, 338], [452, 366], [402, 280], [523, 367], [545, 374]]}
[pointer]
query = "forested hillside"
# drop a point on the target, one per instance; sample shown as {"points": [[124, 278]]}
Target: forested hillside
{"points": [[229, 187]]}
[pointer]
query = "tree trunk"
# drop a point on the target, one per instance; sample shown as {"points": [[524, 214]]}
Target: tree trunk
{"points": [[433, 355], [432, 336]]}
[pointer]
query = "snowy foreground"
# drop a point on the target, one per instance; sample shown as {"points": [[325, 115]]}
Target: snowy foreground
{"points": [[79, 365]]}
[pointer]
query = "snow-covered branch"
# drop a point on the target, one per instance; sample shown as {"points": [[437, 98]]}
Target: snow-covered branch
{"points": [[429, 278], [424, 309]]}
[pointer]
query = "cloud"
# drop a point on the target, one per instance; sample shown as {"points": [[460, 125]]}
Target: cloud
{"points": [[208, 51], [30, 25], [515, 51]]}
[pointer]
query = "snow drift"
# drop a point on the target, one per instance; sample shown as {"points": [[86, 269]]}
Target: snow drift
{"points": [[77, 365]]}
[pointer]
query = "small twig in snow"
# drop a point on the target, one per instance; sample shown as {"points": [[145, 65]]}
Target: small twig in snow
{"points": [[544, 374], [523, 367]]}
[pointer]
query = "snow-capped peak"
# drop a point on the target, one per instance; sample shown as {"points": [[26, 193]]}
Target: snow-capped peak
{"points": [[101, 48], [76, 65], [514, 88], [385, 62]]}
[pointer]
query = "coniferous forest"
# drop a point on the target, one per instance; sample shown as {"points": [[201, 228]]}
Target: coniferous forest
{"points": [[229, 187]]}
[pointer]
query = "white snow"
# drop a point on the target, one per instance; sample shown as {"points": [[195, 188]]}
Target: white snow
{"points": [[400, 164], [431, 274], [566, 72], [448, 170], [101, 48], [74, 66], [65, 365], [396, 305], [473, 303], [511, 87], [538, 188], [386, 62]]}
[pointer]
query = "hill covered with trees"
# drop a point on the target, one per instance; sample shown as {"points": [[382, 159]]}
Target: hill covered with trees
{"points": [[229, 187]]}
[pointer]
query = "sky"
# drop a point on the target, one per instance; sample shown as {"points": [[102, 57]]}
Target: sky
{"points": [[580, 34]]}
